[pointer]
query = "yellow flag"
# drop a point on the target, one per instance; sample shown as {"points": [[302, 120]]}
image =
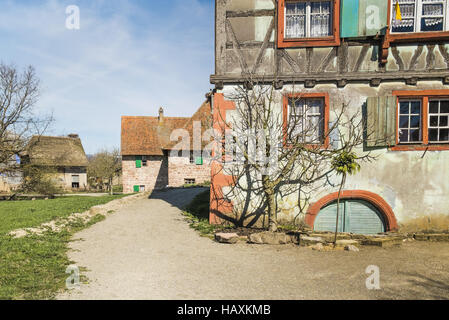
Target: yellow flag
{"points": [[397, 9]]}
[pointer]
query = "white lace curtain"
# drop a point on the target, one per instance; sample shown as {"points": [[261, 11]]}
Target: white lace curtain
{"points": [[431, 15], [318, 24]]}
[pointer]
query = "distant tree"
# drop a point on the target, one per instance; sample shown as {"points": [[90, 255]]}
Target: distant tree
{"points": [[19, 92], [103, 167]]}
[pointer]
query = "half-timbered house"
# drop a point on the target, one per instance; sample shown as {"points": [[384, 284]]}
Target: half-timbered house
{"points": [[388, 58]]}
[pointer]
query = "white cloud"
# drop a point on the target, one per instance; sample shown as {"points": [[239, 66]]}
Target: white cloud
{"points": [[128, 58]]}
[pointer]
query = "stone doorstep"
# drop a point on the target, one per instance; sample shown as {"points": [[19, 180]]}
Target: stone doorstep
{"points": [[431, 237], [383, 242], [345, 243], [307, 241]]}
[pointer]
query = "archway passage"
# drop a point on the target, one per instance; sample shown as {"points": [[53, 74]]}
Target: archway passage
{"points": [[361, 212]]}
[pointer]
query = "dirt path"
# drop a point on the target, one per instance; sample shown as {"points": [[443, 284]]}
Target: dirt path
{"points": [[147, 251]]}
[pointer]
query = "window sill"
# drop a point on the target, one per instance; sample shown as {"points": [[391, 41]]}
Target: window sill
{"points": [[309, 42], [420, 147], [414, 36]]}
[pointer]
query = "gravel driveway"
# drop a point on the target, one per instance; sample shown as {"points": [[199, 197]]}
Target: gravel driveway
{"points": [[148, 251]]}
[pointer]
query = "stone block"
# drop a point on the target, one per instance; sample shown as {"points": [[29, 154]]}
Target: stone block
{"points": [[230, 238], [385, 242], [273, 238]]}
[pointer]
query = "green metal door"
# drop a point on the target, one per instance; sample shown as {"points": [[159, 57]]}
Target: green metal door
{"points": [[356, 216]]}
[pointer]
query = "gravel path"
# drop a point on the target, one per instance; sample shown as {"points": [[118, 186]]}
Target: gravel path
{"points": [[148, 251]]}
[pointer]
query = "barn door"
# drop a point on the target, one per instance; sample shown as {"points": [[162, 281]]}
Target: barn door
{"points": [[356, 216]]}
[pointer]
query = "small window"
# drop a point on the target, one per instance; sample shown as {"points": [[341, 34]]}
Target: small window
{"points": [[75, 181], [306, 116], [439, 120], [410, 121], [418, 16], [189, 181], [142, 189], [144, 161], [191, 158]]}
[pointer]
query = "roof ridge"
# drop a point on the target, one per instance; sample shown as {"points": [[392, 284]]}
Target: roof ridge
{"points": [[153, 117], [59, 137]]}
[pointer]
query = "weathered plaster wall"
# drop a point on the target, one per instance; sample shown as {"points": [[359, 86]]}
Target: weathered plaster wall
{"points": [[65, 177], [413, 183]]}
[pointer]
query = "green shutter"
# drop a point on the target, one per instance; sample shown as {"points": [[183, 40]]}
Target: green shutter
{"points": [[199, 161], [381, 121], [361, 18], [136, 188], [349, 13], [138, 162]]}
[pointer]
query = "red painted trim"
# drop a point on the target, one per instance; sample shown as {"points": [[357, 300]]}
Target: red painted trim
{"points": [[404, 147], [374, 199], [424, 96], [308, 42], [420, 93], [218, 204], [323, 95]]}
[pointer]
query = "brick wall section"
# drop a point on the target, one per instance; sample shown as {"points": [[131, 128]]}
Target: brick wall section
{"points": [[180, 168], [162, 171]]}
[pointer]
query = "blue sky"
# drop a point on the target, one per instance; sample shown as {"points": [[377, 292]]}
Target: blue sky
{"points": [[128, 58]]}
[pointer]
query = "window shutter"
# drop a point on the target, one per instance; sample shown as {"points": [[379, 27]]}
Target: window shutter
{"points": [[381, 121], [138, 162], [136, 188], [199, 161]]}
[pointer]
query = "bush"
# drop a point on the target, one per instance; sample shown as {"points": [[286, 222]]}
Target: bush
{"points": [[40, 180]]}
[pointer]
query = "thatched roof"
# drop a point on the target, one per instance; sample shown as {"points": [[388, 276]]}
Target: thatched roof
{"points": [[57, 151]]}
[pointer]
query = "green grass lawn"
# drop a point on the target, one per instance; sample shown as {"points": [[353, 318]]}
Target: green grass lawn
{"points": [[25, 214], [34, 267]]}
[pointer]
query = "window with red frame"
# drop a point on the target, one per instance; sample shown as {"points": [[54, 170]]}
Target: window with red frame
{"points": [[306, 117], [308, 23]]}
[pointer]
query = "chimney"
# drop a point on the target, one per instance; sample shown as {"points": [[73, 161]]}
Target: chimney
{"points": [[73, 136], [161, 115]]}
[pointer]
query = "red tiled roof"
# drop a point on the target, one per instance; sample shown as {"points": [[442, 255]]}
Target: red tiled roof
{"points": [[148, 136]]}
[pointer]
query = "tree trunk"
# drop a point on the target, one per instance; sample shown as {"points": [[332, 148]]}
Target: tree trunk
{"points": [[343, 180], [271, 204], [110, 186]]}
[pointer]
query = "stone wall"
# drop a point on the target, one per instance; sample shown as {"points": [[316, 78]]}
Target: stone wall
{"points": [[162, 171], [180, 168], [153, 176]]}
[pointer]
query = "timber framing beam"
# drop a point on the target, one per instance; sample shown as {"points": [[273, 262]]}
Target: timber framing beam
{"points": [[373, 78], [251, 13]]}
